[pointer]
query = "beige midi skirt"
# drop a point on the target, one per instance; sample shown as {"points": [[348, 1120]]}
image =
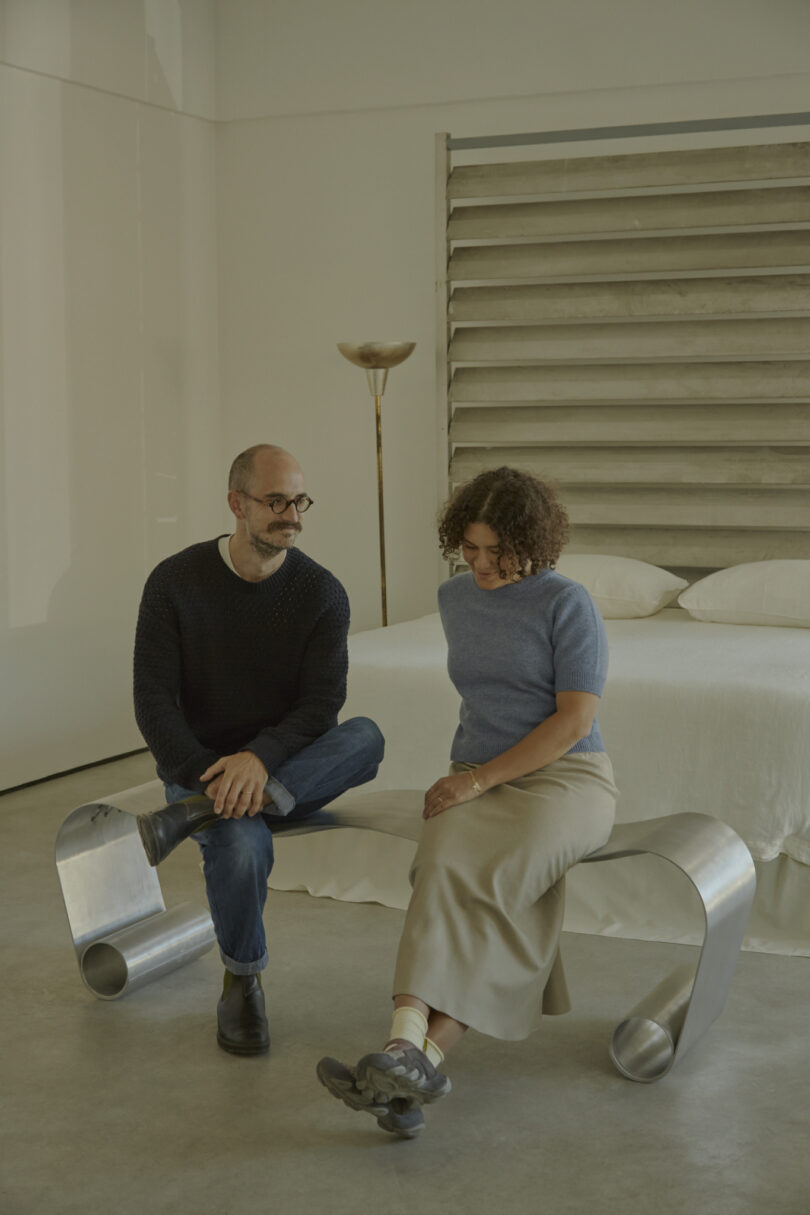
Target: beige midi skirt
{"points": [[482, 930]]}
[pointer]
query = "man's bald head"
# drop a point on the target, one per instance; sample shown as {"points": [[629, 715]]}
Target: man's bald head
{"points": [[265, 455]]}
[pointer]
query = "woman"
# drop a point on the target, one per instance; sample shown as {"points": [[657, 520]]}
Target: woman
{"points": [[530, 793]]}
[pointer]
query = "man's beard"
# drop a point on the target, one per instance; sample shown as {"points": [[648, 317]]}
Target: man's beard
{"points": [[266, 548]]}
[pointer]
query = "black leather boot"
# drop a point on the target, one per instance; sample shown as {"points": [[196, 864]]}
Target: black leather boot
{"points": [[162, 830], [241, 1020]]}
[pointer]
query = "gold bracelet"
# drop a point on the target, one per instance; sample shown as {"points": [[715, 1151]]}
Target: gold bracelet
{"points": [[475, 783]]}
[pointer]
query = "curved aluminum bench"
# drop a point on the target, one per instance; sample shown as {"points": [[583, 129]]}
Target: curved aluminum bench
{"points": [[679, 1011], [646, 1043], [122, 933]]}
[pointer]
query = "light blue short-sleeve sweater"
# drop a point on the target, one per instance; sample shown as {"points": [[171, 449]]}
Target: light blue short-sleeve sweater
{"points": [[511, 649]]}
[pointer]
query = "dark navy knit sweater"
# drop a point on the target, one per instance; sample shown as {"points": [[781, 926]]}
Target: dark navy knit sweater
{"points": [[225, 665]]}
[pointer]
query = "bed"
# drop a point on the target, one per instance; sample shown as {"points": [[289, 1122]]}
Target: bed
{"points": [[698, 716]]}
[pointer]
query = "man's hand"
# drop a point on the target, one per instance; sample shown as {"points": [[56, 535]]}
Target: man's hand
{"points": [[447, 792], [235, 784]]}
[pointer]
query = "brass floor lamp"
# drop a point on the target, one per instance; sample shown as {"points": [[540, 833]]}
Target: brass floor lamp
{"points": [[377, 358]]}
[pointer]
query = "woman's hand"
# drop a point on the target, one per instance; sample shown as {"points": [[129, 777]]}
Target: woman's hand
{"points": [[449, 791]]}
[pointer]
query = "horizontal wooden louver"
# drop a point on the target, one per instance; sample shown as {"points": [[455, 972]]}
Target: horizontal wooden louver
{"points": [[712, 340], [673, 465], [668, 299], [764, 166], [650, 257], [636, 425], [698, 383], [636, 329], [725, 211]]}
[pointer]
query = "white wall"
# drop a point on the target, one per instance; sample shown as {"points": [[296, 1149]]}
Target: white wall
{"points": [[325, 161], [296, 57], [157, 51], [108, 367]]}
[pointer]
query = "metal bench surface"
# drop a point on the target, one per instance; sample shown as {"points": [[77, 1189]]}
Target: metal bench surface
{"points": [[115, 907]]}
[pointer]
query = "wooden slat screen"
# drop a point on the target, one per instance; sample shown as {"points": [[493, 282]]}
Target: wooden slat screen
{"points": [[636, 329]]}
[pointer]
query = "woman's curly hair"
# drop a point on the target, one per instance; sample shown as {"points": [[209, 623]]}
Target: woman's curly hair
{"points": [[530, 523]]}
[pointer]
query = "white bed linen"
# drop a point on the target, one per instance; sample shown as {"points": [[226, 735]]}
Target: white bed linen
{"points": [[713, 718], [704, 717]]}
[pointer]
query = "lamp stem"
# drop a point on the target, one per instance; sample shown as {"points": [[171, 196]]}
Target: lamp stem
{"points": [[382, 514]]}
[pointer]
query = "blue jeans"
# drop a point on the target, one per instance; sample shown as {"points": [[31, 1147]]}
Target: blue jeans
{"points": [[238, 852]]}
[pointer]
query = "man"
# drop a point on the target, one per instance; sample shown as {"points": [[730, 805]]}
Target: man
{"points": [[240, 671]]}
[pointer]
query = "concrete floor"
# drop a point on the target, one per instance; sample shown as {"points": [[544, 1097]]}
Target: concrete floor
{"points": [[129, 1106]]}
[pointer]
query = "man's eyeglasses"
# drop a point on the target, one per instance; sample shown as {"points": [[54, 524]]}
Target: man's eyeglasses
{"points": [[278, 503]]}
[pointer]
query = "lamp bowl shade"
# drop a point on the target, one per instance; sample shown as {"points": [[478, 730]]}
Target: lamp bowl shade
{"points": [[376, 355]]}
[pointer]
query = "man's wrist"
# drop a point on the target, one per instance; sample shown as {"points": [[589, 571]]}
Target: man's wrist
{"points": [[258, 760]]}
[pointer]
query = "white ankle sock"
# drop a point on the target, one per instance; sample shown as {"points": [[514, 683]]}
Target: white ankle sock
{"points": [[410, 1024], [433, 1052]]}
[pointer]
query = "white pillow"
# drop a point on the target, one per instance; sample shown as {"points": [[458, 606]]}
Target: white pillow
{"points": [[622, 587], [759, 592]]}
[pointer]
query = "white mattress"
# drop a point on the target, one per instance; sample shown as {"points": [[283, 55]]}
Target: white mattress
{"points": [[703, 717], [713, 718]]}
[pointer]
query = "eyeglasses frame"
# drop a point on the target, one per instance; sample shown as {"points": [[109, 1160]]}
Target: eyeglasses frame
{"points": [[288, 502]]}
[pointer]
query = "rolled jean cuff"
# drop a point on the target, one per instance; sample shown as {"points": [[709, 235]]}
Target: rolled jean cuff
{"points": [[244, 968], [283, 800]]}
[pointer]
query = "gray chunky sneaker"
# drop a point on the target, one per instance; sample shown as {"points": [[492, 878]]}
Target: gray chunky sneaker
{"points": [[402, 1118], [402, 1071]]}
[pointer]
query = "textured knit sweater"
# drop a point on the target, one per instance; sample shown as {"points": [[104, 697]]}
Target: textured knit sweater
{"points": [[511, 649], [225, 665]]}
